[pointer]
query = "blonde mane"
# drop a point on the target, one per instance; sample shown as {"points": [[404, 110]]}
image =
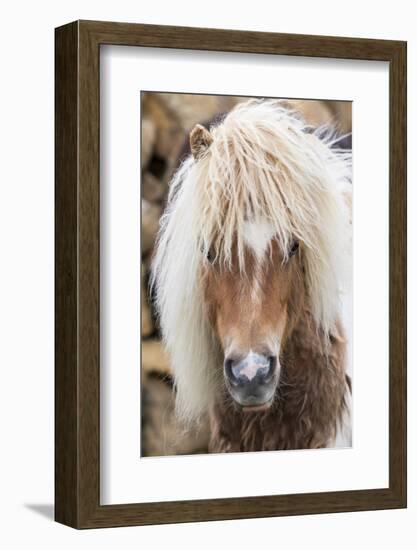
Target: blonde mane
{"points": [[263, 165]]}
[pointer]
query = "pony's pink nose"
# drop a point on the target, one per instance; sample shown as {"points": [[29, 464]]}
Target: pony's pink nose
{"points": [[251, 370], [252, 380]]}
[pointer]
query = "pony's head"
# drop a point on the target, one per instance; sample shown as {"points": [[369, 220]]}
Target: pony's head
{"points": [[255, 234]]}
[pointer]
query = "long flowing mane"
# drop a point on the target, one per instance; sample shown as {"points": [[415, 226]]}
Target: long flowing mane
{"points": [[264, 164]]}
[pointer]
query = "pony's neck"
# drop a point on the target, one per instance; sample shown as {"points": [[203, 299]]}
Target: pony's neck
{"points": [[309, 404]]}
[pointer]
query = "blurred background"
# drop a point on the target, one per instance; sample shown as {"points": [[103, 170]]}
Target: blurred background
{"points": [[166, 122]]}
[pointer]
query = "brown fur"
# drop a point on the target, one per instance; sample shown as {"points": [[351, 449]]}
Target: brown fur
{"points": [[231, 308], [311, 395], [308, 406]]}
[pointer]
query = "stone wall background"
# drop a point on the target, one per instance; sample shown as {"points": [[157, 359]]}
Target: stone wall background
{"points": [[166, 121]]}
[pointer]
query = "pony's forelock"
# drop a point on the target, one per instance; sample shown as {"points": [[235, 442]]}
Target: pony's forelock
{"points": [[264, 165]]}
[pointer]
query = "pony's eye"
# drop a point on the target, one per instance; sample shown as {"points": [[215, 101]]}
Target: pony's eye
{"points": [[210, 256], [294, 247]]}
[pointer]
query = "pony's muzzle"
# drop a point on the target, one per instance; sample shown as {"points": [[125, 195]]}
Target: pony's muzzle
{"points": [[252, 379]]}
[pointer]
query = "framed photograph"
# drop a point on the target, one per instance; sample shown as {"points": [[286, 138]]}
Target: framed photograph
{"points": [[230, 274]]}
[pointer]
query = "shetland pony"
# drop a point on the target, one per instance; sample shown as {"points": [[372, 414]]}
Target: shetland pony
{"points": [[252, 256]]}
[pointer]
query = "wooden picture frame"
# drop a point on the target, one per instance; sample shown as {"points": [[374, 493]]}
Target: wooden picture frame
{"points": [[77, 374]]}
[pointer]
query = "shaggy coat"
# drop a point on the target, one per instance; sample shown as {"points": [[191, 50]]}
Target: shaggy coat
{"points": [[225, 269]]}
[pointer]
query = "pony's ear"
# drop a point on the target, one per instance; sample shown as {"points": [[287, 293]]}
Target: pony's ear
{"points": [[200, 141]]}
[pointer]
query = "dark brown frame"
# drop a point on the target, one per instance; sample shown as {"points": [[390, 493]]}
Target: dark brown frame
{"points": [[77, 274]]}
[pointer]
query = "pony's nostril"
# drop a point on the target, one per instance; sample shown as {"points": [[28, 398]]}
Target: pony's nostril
{"points": [[233, 369], [272, 366], [228, 368]]}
